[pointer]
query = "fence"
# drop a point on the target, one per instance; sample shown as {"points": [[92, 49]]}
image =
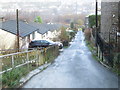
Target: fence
{"points": [[34, 57], [106, 49], [9, 51]]}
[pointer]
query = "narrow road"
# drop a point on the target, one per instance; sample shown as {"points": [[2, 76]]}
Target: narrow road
{"points": [[75, 68]]}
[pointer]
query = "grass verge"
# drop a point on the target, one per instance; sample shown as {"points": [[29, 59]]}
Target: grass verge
{"points": [[12, 78], [93, 50]]}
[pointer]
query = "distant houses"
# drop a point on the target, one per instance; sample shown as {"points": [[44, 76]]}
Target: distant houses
{"points": [[86, 22], [46, 31], [28, 32]]}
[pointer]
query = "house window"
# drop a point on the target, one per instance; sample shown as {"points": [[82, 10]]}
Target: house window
{"points": [[33, 35]]}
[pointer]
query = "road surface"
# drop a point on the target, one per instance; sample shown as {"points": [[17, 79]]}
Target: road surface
{"points": [[75, 68]]}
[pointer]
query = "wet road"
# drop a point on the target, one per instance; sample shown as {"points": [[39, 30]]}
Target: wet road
{"points": [[74, 68]]}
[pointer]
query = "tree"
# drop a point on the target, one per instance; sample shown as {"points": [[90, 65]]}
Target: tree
{"points": [[38, 19], [63, 35], [92, 20], [72, 25], [80, 22]]}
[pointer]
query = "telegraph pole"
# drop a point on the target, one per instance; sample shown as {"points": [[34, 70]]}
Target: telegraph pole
{"points": [[96, 15], [76, 15], [17, 21]]}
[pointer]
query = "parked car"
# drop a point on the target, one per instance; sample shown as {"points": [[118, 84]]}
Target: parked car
{"points": [[40, 43], [59, 44], [43, 43]]}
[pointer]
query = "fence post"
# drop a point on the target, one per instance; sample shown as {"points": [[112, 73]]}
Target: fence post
{"points": [[44, 55], [13, 61], [0, 74], [37, 59], [28, 60], [27, 57], [102, 55], [97, 51]]}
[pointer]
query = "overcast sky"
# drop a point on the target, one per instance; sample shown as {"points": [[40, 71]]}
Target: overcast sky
{"points": [[47, 0], [84, 4], [58, 0]]}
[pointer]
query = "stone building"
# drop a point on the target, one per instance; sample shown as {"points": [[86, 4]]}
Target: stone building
{"points": [[108, 39], [110, 22]]}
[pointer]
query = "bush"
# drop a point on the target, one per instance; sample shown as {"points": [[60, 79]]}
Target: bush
{"points": [[92, 20], [72, 25], [65, 43], [116, 67], [11, 79], [116, 58], [87, 34], [64, 35]]}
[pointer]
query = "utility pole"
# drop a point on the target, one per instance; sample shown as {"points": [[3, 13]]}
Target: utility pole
{"points": [[96, 14], [75, 17], [17, 21], [76, 7]]}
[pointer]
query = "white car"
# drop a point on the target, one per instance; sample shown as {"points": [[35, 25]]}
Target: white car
{"points": [[59, 44]]}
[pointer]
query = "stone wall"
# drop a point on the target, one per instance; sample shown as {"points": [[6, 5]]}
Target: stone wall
{"points": [[109, 16]]}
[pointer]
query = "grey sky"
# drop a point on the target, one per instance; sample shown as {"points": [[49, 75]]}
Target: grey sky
{"points": [[48, 0]]}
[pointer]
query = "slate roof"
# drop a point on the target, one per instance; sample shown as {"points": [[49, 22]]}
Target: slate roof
{"points": [[24, 28], [43, 28]]}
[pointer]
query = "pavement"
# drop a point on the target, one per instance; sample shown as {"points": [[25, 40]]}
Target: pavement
{"points": [[74, 68]]}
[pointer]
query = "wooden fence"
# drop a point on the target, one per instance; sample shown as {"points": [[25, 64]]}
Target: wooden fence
{"points": [[19, 59]]}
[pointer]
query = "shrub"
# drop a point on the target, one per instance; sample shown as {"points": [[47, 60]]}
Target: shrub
{"points": [[116, 58], [72, 25], [11, 79], [63, 36], [87, 34], [92, 20]]}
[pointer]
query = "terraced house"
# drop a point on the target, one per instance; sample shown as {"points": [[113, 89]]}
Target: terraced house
{"points": [[46, 31], [28, 32]]}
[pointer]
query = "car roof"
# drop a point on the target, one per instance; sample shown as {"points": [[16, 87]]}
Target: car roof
{"points": [[39, 40]]}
